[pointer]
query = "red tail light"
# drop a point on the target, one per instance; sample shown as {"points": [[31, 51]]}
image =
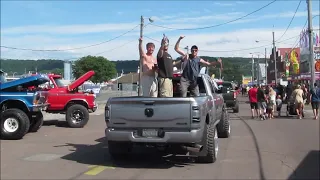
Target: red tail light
{"points": [[234, 95], [176, 75]]}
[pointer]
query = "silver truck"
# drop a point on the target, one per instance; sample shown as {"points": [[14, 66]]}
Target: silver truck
{"points": [[179, 125]]}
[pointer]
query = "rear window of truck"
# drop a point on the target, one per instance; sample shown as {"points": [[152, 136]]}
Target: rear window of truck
{"points": [[176, 86]]}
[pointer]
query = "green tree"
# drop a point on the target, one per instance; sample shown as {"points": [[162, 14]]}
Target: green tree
{"points": [[103, 68]]}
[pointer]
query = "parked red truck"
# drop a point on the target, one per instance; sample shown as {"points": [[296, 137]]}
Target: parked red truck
{"points": [[68, 100]]}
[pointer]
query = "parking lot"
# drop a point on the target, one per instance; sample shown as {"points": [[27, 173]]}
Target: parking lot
{"points": [[284, 148]]}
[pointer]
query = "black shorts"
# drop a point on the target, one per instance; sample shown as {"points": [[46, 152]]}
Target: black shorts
{"points": [[315, 105], [253, 105]]}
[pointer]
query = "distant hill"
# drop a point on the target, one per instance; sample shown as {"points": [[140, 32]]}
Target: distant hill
{"points": [[234, 67]]}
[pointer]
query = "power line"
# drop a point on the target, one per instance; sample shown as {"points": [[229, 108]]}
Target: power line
{"points": [[103, 51], [290, 21], [206, 27], [236, 49], [26, 49], [69, 59]]}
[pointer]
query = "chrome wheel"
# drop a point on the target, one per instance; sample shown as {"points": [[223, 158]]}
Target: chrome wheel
{"points": [[11, 125]]}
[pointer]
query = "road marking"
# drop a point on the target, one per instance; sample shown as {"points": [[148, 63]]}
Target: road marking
{"points": [[97, 169]]}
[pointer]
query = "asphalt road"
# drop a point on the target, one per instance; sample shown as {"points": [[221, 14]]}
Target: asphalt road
{"points": [[281, 148]]}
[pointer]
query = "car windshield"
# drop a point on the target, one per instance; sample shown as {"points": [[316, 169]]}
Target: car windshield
{"points": [[2, 78], [225, 85], [59, 82]]}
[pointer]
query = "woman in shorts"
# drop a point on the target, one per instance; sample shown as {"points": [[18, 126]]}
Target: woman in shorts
{"points": [[298, 100], [272, 99]]}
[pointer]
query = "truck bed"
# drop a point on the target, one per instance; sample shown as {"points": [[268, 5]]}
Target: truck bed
{"points": [[139, 112]]}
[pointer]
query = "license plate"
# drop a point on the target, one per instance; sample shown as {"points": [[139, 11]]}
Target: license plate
{"points": [[150, 133]]}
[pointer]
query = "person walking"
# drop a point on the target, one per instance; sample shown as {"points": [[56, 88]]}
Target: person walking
{"points": [[272, 95], [262, 102], [253, 100], [315, 100], [279, 104], [297, 94]]}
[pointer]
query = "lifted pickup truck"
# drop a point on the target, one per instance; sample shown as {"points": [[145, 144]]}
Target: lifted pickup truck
{"points": [[20, 108], [178, 124], [230, 94], [68, 100]]}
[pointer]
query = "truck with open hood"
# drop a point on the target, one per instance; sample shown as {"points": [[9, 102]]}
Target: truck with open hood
{"points": [[20, 107], [67, 99]]}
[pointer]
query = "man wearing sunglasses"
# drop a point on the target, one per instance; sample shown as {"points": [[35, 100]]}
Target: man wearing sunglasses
{"points": [[191, 70]]}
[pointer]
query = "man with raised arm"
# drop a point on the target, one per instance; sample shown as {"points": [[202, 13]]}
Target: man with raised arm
{"points": [[191, 69], [148, 70], [165, 71]]}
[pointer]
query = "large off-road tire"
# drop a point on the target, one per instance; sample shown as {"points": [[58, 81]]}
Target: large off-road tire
{"points": [[119, 150], [77, 116], [14, 124], [212, 147], [236, 108], [36, 122], [224, 127]]}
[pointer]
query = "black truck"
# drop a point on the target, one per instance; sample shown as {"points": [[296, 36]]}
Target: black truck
{"points": [[229, 92]]}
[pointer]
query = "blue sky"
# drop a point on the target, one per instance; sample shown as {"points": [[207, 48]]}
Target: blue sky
{"points": [[73, 24]]}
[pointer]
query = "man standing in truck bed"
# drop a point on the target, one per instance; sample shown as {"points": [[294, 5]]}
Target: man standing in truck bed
{"points": [[148, 80], [191, 69], [165, 71]]}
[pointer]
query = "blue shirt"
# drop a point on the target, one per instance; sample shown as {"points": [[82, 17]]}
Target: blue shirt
{"points": [[315, 92], [191, 68]]}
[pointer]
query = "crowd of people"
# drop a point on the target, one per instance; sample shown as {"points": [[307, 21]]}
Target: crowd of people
{"points": [[265, 100]]}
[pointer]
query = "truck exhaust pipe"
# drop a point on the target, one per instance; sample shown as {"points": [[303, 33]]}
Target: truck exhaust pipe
{"points": [[194, 148]]}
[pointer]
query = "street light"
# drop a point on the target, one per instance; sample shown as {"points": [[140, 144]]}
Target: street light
{"points": [[252, 68], [266, 63], [141, 64]]}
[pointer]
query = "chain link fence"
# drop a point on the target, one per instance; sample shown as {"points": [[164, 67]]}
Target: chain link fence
{"points": [[117, 90]]}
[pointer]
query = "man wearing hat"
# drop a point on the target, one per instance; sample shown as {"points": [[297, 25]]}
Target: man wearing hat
{"points": [[191, 69]]}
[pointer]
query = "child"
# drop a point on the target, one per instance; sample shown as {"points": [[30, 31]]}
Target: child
{"points": [[279, 105], [269, 108]]}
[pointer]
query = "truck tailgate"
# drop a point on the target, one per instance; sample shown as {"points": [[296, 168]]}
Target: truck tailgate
{"points": [[138, 112]]}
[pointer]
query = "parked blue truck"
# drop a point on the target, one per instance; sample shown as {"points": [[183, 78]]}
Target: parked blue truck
{"points": [[20, 107]]}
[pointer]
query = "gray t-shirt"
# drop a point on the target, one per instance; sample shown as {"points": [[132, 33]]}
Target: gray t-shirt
{"points": [[278, 102], [191, 68]]}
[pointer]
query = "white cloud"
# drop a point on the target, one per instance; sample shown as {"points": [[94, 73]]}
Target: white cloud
{"points": [[68, 29], [241, 2], [223, 4], [215, 42], [175, 21]]}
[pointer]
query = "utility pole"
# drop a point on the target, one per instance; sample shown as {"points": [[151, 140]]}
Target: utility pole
{"points": [[252, 70], [258, 70], [266, 65], [275, 60], [311, 58], [141, 64]]}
